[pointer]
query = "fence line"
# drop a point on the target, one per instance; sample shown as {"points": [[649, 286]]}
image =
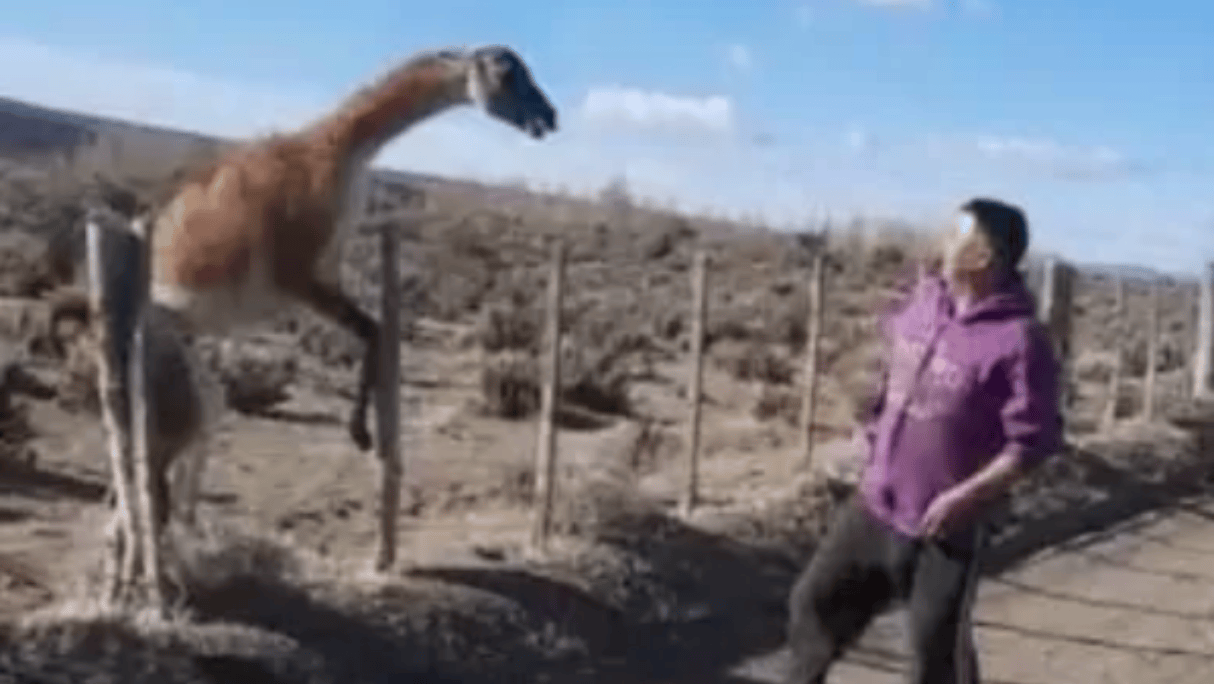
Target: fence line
{"points": [[1058, 295], [1055, 310]]}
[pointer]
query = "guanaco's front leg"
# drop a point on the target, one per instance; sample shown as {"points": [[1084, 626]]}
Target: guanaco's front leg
{"points": [[335, 305]]}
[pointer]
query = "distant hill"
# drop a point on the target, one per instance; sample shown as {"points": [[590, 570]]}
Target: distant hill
{"points": [[29, 131]]}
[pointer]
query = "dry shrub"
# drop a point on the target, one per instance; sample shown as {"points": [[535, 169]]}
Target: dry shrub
{"points": [[459, 270], [776, 402], [334, 346], [255, 376], [758, 362], [668, 324], [592, 378], [787, 324], [455, 289], [655, 446], [512, 327], [886, 258], [24, 267], [77, 388], [723, 328], [597, 378], [1171, 354], [666, 238], [510, 386], [16, 430]]}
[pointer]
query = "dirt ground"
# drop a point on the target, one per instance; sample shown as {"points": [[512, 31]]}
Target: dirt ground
{"points": [[1130, 606]]}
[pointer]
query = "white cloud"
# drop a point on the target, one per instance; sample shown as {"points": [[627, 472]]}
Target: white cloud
{"points": [[804, 15], [978, 8], [740, 57], [858, 139], [1066, 161], [897, 4], [650, 109]]}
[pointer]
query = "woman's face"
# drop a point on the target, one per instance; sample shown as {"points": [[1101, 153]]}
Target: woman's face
{"points": [[966, 250]]}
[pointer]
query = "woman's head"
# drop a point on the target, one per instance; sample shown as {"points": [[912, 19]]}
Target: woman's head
{"points": [[988, 237]]}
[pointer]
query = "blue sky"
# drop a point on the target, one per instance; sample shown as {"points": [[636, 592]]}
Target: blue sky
{"points": [[1094, 116]]}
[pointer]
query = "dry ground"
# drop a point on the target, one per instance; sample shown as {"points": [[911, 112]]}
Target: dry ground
{"points": [[631, 593]]}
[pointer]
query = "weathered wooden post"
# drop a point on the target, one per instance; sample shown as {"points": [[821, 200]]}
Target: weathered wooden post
{"points": [[123, 539], [699, 308], [817, 286], [1203, 361], [118, 292], [545, 452], [140, 431], [1057, 289], [1151, 377], [387, 397], [1109, 419]]}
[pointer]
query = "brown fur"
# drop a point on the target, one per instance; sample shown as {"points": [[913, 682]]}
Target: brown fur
{"points": [[278, 200]]}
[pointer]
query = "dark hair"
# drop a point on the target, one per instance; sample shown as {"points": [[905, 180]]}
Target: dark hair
{"points": [[1004, 224]]}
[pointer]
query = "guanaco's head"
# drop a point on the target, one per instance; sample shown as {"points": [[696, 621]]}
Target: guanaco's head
{"points": [[500, 83]]}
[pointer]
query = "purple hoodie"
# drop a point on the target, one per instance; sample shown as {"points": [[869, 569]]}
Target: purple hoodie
{"points": [[989, 383]]}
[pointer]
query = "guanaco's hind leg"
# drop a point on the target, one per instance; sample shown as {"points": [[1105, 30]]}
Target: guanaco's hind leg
{"points": [[332, 303]]}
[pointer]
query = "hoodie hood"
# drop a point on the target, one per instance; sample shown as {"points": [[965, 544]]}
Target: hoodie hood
{"points": [[1011, 298]]}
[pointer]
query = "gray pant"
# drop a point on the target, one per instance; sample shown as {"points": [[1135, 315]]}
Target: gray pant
{"points": [[863, 567]]}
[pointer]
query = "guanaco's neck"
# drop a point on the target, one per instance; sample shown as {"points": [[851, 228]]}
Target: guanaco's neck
{"points": [[407, 95]]}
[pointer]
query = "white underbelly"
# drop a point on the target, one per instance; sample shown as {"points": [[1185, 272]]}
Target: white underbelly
{"points": [[224, 308]]}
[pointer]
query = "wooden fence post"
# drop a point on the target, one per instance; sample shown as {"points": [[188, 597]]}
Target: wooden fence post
{"points": [[1109, 419], [1150, 379], [1203, 362], [817, 286], [1057, 290], [122, 535], [545, 452], [699, 307], [387, 404], [140, 427]]}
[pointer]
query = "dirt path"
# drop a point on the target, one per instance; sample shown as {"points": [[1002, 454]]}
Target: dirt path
{"points": [[1133, 606]]}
